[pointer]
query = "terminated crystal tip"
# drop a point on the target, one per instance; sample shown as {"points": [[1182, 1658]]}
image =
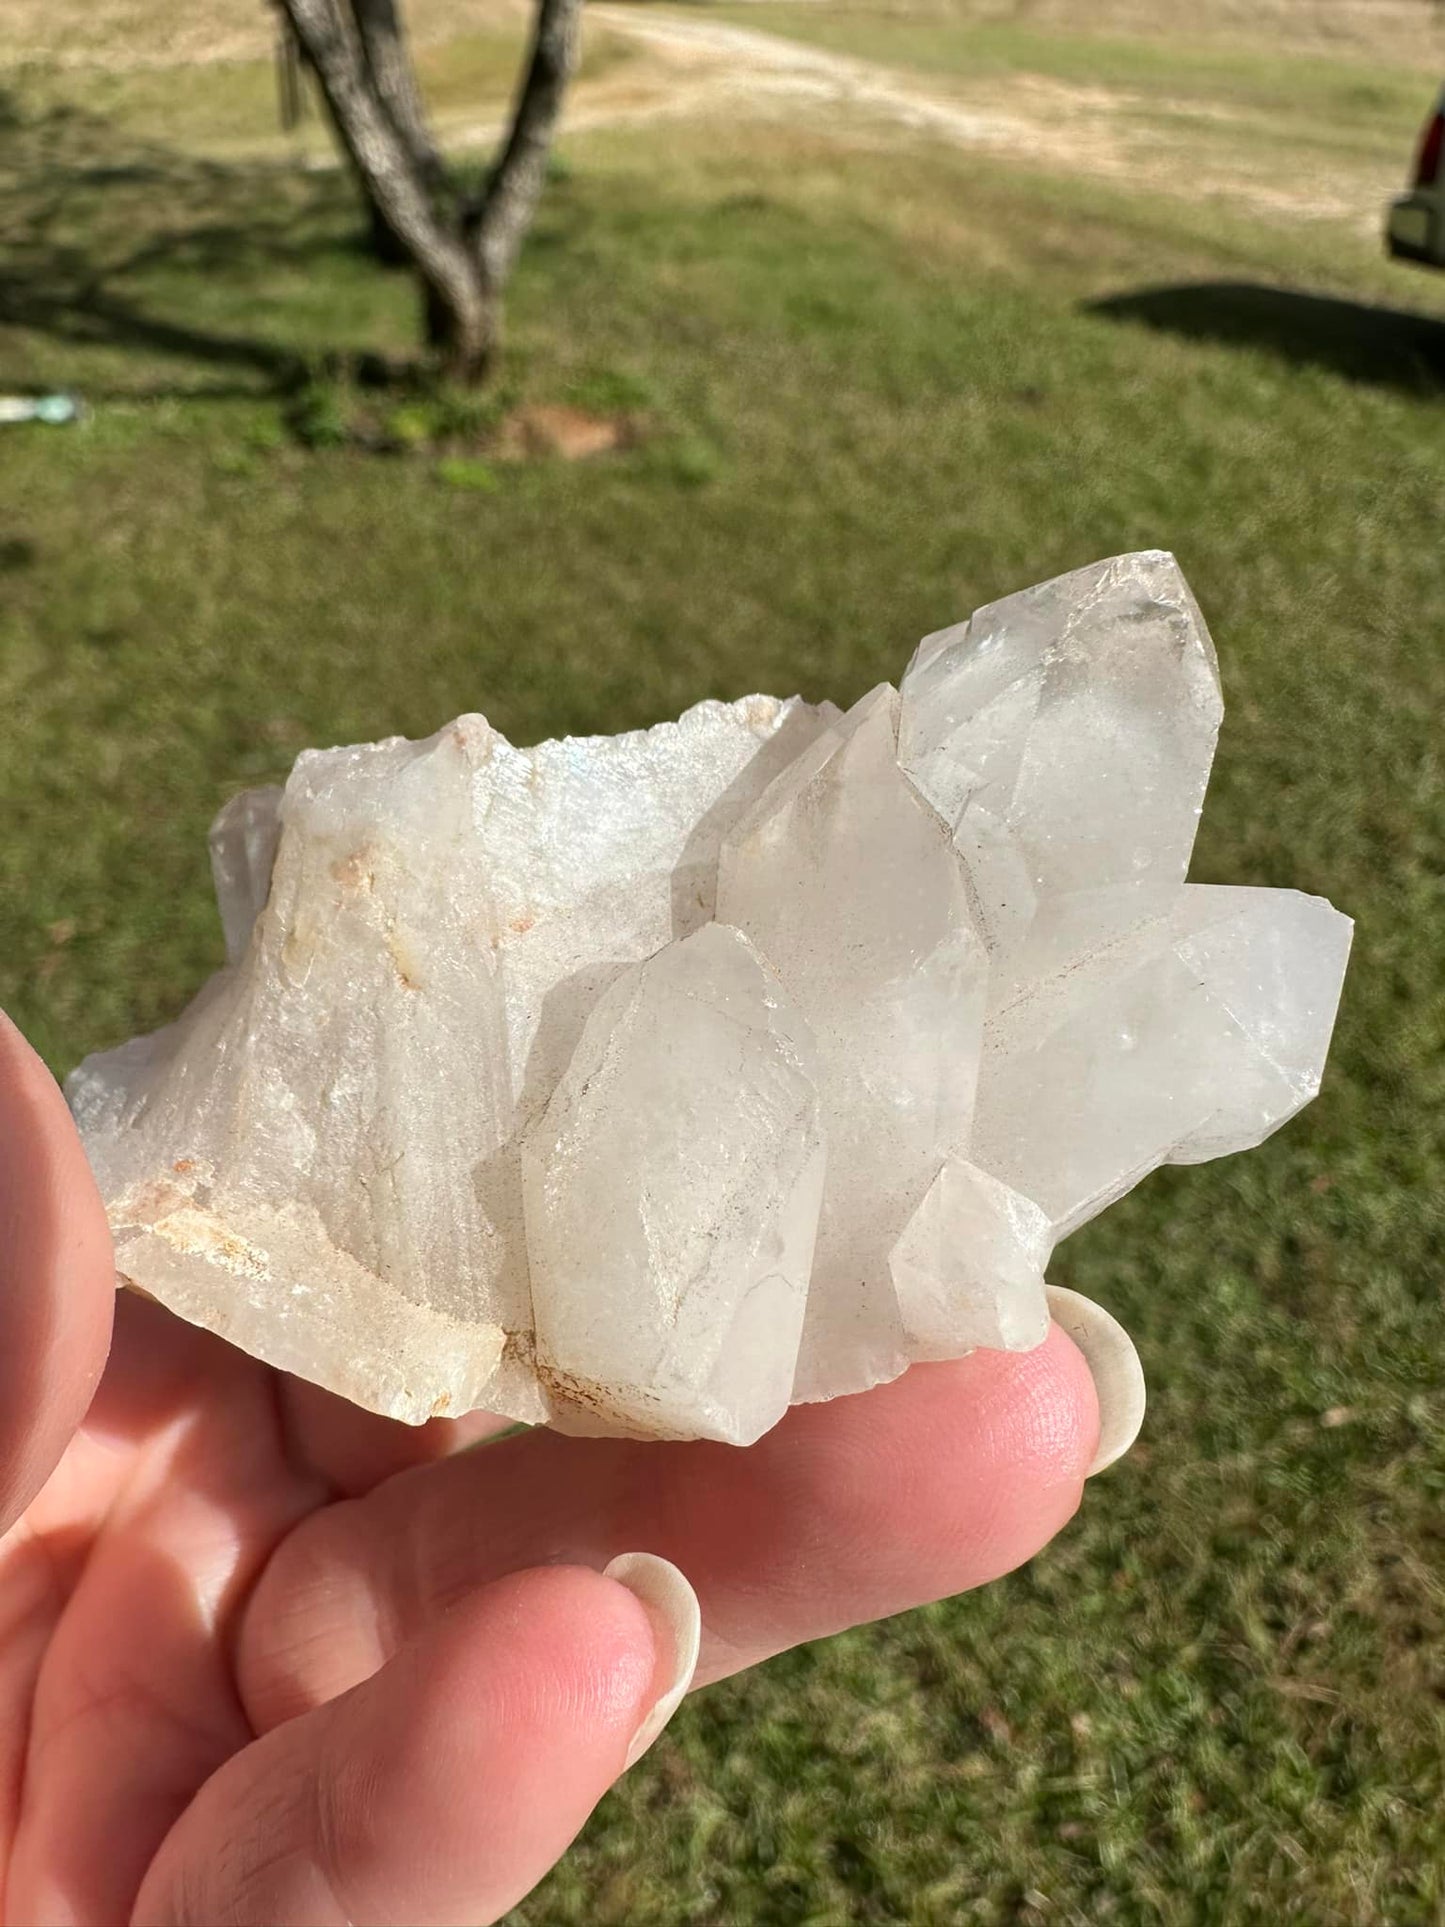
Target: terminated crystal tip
{"points": [[648, 1084]]}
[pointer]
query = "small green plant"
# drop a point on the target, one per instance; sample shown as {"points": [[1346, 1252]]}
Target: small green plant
{"points": [[410, 427], [320, 416], [687, 461], [466, 472], [235, 461], [266, 436], [463, 414], [610, 391]]}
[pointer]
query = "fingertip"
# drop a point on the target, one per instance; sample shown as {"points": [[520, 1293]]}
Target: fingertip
{"points": [[585, 1650], [1019, 1430], [946, 1478], [57, 1274], [1017, 1423], [1011, 1436], [1057, 1410], [442, 1786]]}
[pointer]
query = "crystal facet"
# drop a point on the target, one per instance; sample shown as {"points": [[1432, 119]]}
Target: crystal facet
{"points": [[1188, 1036], [648, 1083], [674, 1302], [1066, 734], [844, 879], [969, 1267]]}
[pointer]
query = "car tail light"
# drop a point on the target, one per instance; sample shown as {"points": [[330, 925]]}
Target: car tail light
{"points": [[1427, 168]]}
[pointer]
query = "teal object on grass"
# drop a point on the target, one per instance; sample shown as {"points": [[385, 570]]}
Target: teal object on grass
{"points": [[52, 409]]}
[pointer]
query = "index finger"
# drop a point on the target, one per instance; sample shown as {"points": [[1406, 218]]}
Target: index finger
{"points": [[57, 1276]]}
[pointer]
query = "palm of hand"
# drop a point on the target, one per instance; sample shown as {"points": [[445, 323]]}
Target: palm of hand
{"points": [[266, 1658]]}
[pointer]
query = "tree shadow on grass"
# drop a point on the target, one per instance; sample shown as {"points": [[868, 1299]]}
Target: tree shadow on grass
{"points": [[98, 226], [1388, 347]]}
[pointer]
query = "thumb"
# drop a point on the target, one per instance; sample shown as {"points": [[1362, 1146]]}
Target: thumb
{"points": [[57, 1276], [441, 1789]]}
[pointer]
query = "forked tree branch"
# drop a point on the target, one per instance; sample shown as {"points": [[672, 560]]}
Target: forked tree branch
{"points": [[379, 151], [357, 49], [509, 200], [384, 48]]}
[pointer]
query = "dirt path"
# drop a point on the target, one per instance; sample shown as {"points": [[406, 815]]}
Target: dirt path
{"points": [[764, 70], [688, 67], [697, 64]]}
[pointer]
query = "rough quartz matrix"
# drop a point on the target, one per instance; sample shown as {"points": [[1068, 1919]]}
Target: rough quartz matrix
{"points": [[647, 1084]]}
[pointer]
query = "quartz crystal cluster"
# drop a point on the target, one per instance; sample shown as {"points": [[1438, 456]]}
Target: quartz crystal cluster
{"points": [[647, 1084]]}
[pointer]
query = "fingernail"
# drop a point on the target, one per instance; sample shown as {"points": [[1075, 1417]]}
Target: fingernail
{"points": [[677, 1621], [1113, 1365]]}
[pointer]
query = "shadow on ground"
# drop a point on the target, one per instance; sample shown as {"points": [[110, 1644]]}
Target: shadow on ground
{"points": [[1386, 346], [99, 229]]}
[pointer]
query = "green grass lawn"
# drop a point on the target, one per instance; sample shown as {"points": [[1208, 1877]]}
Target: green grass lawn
{"points": [[1186, 111], [228, 108], [1308, 87], [886, 383]]}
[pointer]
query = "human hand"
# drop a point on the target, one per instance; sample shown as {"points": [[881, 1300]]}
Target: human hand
{"points": [[266, 1658]]}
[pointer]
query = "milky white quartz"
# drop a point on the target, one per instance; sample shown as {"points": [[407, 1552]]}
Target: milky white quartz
{"points": [[646, 1084]]}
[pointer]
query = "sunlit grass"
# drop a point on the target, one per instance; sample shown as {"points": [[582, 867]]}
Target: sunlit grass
{"points": [[230, 109]]}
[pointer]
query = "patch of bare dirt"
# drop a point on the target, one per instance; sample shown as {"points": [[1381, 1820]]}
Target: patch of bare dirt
{"points": [[573, 434]]}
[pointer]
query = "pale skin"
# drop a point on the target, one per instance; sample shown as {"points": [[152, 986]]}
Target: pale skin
{"points": [[265, 1658]]}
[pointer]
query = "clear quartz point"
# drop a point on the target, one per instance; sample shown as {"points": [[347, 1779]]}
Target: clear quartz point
{"points": [[846, 881], [969, 1267], [1065, 733], [671, 1190]]}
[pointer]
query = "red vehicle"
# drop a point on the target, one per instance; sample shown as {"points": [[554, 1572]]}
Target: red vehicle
{"points": [[1415, 227]]}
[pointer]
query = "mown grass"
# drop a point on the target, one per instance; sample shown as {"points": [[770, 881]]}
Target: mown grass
{"points": [[230, 108], [1250, 77], [882, 394], [1218, 101], [1355, 31]]}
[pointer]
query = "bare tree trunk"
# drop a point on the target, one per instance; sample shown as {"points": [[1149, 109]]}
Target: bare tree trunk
{"points": [[392, 181], [464, 341], [357, 49], [509, 201], [383, 45]]}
